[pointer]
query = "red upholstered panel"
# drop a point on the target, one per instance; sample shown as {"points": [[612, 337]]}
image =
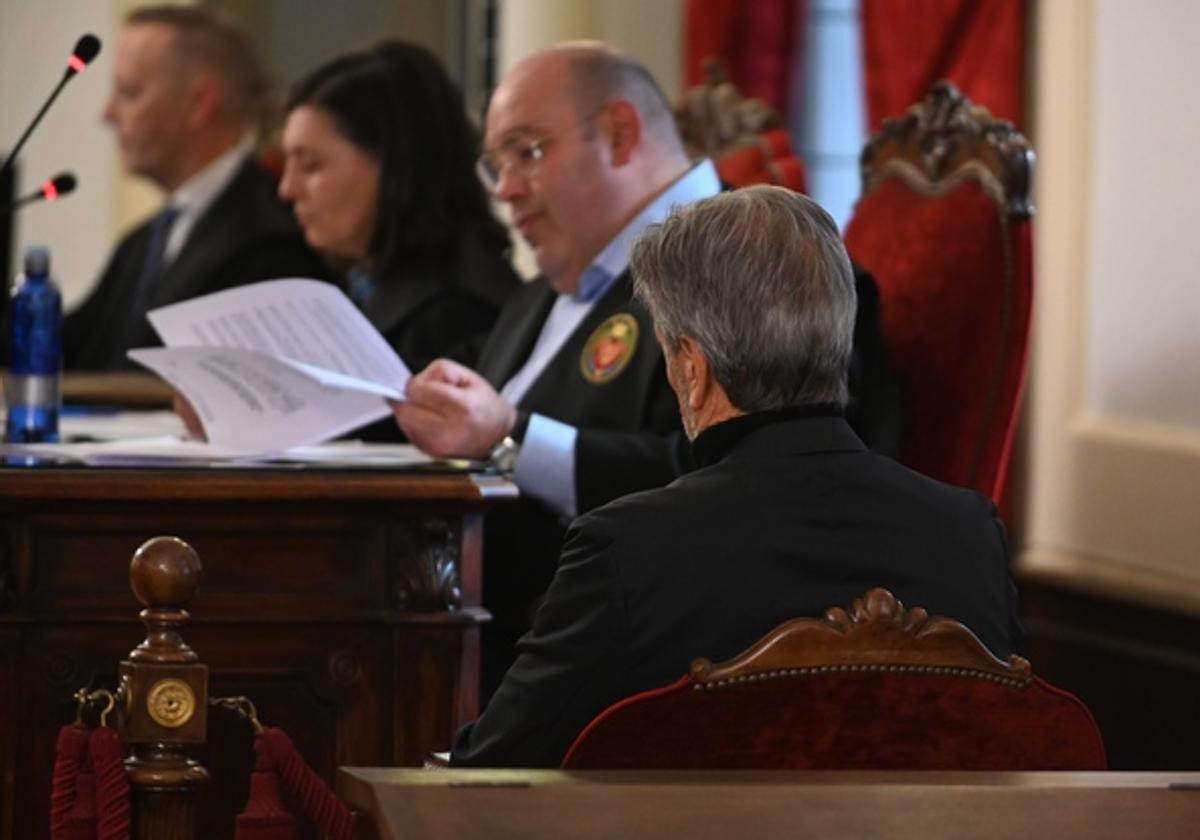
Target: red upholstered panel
{"points": [[956, 290], [769, 162], [776, 143], [833, 721], [743, 167]]}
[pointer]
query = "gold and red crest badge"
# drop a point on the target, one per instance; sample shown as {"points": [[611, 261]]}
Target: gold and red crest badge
{"points": [[610, 349]]}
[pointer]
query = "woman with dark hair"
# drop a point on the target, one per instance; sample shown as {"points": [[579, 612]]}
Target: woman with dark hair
{"points": [[379, 169]]}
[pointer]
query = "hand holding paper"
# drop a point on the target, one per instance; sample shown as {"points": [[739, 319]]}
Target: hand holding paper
{"points": [[453, 412]]}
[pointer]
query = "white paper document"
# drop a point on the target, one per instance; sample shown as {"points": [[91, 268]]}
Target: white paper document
{"points": [[171, 450], [275, 365]]}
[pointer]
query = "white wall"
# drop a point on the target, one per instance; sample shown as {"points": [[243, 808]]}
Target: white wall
{"points": [[35, 40], [1144, 343], [1113, 434], [649, 30]]}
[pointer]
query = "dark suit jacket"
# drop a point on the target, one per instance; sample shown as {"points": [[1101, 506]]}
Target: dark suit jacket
{"points": [[246, 234], [622, 421], [625, 444], [630, 436], [797, 517], [875, 411]]}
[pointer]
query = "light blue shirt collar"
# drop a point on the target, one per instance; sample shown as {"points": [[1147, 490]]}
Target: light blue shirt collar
{"points": [[700, 181]]}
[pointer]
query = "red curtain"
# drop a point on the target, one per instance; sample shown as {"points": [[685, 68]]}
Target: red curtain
{"points": [[977, 44], [756, 40]]}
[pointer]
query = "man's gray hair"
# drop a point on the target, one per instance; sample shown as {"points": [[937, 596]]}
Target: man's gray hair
{"points": [[600, 75], [206, 39], [760, 280]]}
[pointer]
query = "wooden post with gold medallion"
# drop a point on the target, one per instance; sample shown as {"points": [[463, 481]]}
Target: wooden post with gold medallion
{"points": [[165, 693]]}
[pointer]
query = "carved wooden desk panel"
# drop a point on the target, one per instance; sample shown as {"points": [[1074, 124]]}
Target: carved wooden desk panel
{"points": [[344, 604]]}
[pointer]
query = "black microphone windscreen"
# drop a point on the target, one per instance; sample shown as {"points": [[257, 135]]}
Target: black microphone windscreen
{"points": [[64, 182], [87, 48]]}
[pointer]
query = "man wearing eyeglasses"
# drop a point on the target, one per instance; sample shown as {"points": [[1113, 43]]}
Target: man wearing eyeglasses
{"points": [[571, 394]]}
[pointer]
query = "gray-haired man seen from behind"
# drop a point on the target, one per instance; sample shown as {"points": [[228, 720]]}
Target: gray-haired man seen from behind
{"points": [[752, 297]]}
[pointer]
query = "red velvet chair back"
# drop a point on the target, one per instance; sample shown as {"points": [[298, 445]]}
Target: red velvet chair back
{"points": [[874, 688], [944, 225]]}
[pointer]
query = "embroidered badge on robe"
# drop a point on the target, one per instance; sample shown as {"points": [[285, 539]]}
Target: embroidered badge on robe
{"points": [[609, 350]]}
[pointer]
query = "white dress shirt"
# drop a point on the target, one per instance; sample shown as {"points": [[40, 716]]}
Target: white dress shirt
{"points": [[196, 194], [546, 466]]}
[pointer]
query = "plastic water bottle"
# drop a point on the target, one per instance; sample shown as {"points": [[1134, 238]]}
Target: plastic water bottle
{"points": [[31, 385]]}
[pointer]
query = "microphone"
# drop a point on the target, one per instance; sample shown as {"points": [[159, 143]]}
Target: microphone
{"points": [[86, 48], [55, 188]]}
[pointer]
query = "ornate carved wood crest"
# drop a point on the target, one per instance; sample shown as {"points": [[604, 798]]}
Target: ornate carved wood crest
{"points": [[946, 139], [876, 634]]}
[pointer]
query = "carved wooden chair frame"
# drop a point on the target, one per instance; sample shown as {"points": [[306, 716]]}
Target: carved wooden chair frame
{"points": [[715, 118], [947, 139], [874, 644], [877, 634]]}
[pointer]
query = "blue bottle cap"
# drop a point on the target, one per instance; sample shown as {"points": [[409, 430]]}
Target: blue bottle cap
{"points": [[37, 260]]}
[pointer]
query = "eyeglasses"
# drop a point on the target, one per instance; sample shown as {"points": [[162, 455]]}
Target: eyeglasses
{"points": [[520, 153]]}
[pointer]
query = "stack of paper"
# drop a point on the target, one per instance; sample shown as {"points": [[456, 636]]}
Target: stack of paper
{"points": [[275, 365]]}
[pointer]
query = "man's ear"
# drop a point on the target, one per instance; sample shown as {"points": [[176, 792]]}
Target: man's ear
{"points": [[696, 372], [624, 130], [204, 94]]}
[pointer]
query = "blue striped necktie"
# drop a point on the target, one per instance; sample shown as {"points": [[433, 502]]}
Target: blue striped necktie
{"points": [[152, 267]]}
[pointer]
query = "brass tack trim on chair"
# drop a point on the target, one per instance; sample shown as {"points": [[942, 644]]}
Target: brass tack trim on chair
{"points": [[924, 670]]}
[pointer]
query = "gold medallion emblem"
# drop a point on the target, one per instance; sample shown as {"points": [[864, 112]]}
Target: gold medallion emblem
{"points": [[609, 350], [170, 703]]}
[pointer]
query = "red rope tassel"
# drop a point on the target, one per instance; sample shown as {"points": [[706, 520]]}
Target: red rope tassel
{"points": [[70, 753], [315, 799], [79, 823], [265, 816], [112, 784]]}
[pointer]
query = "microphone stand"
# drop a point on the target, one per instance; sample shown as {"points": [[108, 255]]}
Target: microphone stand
{"points": [[7, 209], [53, 189]]}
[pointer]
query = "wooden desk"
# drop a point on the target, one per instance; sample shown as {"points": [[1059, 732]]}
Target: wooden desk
{"points": [[345, 604], [465, 804]]}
